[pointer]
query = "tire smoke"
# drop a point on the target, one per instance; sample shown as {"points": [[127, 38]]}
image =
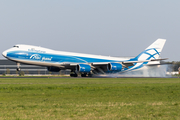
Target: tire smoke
{"points": [[146, 71]]}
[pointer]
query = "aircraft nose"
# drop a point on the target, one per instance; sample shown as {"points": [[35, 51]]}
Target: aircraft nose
{"points": [[4, 53]]}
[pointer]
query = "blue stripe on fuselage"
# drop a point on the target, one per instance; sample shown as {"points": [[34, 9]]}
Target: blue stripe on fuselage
{"points": [[53, 58]]}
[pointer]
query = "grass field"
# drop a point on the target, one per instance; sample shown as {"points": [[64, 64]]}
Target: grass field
{"points": [[89, 98]]}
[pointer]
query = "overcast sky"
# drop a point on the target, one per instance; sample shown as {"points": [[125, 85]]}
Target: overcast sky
{"points": [[103, 27]]}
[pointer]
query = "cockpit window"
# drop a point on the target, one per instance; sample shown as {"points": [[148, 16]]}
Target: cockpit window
{"points": [[16, 46]]}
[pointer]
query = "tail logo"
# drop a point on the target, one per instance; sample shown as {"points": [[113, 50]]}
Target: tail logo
{"points": [[148, 54]]}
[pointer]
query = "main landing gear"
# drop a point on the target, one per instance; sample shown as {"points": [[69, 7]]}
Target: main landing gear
{"points": [[86, 75], [73, 74]]}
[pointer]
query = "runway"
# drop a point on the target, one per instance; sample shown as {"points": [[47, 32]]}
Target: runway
{"points": [[86, 77]]}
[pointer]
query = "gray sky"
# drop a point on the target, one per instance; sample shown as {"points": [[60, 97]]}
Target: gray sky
{"points": [[103, 27]]}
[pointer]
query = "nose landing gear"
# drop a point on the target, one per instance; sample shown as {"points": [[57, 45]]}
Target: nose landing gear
{"points": [[18, 67]]}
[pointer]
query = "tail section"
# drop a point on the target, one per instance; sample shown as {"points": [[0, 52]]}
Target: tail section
{"points": [[152, 52], [150, 56]]}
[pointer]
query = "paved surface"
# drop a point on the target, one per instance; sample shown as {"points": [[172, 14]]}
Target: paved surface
{"points": [[87, 77]]}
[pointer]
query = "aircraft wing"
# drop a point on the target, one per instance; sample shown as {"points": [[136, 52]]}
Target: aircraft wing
{"points": [[99, 64]]}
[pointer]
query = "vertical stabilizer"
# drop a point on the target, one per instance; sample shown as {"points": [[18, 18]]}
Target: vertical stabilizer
{"points": [[152, 52]]}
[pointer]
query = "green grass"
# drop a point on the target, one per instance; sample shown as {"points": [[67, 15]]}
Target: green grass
{"points": [[89, 98]]}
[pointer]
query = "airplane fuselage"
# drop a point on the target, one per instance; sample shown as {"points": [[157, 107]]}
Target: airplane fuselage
{"points": [[42, 56]]}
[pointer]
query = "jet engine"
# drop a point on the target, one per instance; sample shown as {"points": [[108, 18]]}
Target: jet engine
{"points": [[83, 68], [53, 69], [114, 67]]}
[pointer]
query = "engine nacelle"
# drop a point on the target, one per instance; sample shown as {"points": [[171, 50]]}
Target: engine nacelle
{"points": [[53, 69], [114, 67], [83, 68]]}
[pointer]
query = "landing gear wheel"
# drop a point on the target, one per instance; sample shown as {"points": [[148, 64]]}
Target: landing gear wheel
{"points": [[73, 75], [18, 69], [83, 75], [89, 75]]}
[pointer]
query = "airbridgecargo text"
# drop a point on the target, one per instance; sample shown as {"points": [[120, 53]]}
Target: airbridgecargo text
{"points": [[38, 51]]}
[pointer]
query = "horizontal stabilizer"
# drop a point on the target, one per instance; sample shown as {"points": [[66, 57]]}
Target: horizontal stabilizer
{"points": [[141, 61]]}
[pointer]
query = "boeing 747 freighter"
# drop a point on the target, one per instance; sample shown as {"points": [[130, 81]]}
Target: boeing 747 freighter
{"points": [[85, 64]]}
